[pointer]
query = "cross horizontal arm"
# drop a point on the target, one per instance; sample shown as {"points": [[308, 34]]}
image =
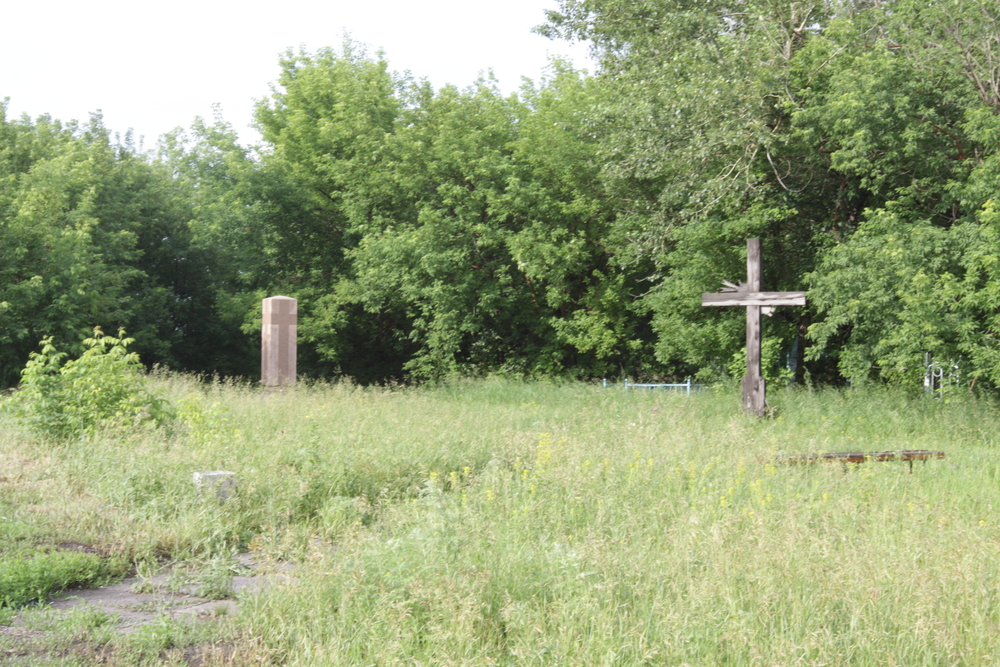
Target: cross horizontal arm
{"points": [[753, 299]]}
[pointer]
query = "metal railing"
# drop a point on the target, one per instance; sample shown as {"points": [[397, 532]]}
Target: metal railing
{"points": [[938, 377], [686, 386]]}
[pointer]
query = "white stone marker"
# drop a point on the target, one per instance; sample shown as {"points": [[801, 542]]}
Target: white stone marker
{"points": [[220, 482], [277, 341]]}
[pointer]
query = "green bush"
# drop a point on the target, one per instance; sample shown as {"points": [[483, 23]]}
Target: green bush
{"points": [[102, 389]]}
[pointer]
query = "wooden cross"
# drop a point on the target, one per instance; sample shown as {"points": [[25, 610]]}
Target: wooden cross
{"points": [[749, 294]]}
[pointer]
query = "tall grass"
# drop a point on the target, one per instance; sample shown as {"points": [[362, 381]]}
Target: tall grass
{"points": [[502, 523]]}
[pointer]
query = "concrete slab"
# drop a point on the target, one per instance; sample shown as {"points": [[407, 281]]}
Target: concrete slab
{"points": [[137, 602]]}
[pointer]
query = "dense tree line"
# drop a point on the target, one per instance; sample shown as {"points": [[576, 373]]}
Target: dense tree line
{"points": [[565, 230], [94, 234], [858, 138]]}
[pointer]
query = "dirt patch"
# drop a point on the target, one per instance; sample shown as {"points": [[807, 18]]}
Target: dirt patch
{"points": [[116, 623], [76, 546], [136, 601]]}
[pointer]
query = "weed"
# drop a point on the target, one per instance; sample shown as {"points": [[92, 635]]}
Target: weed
{"points": [[209, 578], [499, 523], [29, 578], [102, 389], [148, 642]]}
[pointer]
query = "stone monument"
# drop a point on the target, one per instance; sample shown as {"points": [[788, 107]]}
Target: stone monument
{"points": [[277, 341]]}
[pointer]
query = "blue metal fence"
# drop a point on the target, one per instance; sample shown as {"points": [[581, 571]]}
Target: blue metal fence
{"points": [[686, 386]]}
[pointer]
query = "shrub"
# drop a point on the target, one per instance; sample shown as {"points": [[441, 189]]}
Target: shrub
{"points": [[35, 577], [102, 389]]}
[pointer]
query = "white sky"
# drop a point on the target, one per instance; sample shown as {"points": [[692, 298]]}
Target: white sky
{"points": [[153, 66]]}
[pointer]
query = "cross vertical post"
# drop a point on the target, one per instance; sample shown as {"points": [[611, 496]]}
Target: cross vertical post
{"points": [[753, 382], [750, 296]]}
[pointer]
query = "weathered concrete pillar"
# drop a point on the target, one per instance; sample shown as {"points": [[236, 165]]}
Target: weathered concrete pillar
{"points": [[277, 341]]}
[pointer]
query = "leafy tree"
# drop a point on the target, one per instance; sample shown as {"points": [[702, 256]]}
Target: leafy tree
{"points": [[327, 123], [914, 121], [464, 229], [93, 233], [59, 270], [857, 139], [696, 148]]}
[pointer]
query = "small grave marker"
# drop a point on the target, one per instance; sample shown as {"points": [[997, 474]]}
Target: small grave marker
{"points": [[749, 294], [279, 329], [221, 483]]}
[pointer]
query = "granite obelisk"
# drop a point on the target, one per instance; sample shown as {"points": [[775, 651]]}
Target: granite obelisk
{"points": [[278, 332]]}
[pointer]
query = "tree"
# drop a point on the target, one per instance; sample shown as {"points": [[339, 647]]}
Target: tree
{"points": [[696, 145], [857, 139], [59, 272], [466, 229], [918, 128], [92, 233]]}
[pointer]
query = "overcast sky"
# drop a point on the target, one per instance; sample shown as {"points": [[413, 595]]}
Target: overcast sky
{"points": [[153, 66]]}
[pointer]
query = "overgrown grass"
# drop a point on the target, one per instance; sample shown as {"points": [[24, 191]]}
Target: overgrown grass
{"points": [[35, 563], [28, 578], [502, 523]]}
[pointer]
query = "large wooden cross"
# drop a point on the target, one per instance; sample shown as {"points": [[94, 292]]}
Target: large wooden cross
{"points": [[749, 294]]}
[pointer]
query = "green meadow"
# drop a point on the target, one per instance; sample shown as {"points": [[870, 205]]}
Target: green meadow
{"points": [[496, 522]]}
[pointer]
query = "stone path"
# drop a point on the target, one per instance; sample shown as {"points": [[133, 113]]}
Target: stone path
{"points": [[138, 602]]}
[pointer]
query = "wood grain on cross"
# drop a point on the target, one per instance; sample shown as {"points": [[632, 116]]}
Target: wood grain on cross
{"points": [[749, 294]]}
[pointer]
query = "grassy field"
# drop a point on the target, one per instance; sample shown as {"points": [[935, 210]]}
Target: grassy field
{"points": [[504, 523]]}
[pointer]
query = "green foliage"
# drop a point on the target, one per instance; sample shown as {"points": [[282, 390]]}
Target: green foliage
{"points": [[460, 231], [27, 578], [903, 290], [857, 139], [94, 231], [103, 389], [916, 129], [566, 230], [694, 135], [772, 365]]}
